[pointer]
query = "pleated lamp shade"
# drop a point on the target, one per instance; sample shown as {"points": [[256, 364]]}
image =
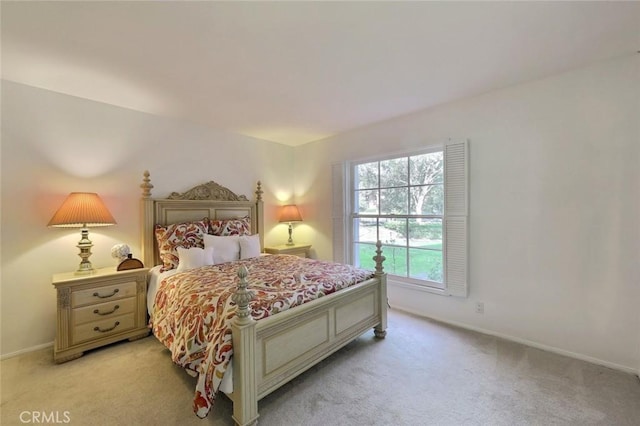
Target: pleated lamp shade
{"points": [[290, 213], [82, 209]]}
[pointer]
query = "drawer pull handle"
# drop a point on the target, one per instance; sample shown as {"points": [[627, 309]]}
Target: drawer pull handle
{"points": [[106, 329], [96, 294], [97, 311]]}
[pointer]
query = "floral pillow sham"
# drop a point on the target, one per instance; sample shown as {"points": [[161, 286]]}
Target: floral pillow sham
{"points": [[185, 235], [223, 227]]}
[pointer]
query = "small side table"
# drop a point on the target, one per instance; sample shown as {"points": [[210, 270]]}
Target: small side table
{"points": [[97, 309], [301, 250]]}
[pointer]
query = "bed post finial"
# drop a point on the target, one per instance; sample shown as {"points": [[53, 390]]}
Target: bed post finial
{"points": [[242, 297], [380, 330], [259, 191], [379, 258], [259, 222], [243, 335], [146, 185]]}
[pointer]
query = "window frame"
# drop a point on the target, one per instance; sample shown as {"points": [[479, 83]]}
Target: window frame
{"points": [[351, 215], [456, 210]]}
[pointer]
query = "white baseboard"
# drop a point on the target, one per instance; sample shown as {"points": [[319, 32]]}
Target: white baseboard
{"points": [[529, 343], [24, 351]]}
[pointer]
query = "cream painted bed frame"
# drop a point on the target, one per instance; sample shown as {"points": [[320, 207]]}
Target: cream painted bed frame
{"points": [[270, 352]]}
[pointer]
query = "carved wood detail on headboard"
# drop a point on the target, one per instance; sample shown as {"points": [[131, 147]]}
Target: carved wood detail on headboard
{"points": [[208, 191]]}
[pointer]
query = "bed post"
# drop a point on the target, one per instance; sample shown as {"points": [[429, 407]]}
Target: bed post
{"points": [[146, 221], [243, 328], [380, 330], [260, 214]]}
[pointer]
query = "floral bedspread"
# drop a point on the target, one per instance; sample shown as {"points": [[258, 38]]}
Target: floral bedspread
{"points": [[193, 310]]}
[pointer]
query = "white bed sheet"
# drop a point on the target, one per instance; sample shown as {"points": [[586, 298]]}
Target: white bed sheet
{"points": [[155, 278]]}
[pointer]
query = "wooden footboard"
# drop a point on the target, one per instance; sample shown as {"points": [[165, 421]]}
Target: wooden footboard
{"points": [[270, 352]]}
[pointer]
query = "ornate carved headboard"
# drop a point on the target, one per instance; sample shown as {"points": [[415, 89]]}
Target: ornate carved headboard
{"points": [[209, 200]]}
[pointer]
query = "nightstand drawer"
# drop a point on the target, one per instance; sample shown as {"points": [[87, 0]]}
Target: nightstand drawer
{"points": [[102, 328], [103, 310], [103, 294]]}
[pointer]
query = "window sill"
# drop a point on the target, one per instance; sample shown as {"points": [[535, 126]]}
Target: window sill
{"points": [[399, 282]]}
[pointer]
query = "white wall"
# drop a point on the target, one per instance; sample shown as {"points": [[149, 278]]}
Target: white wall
{"points": [[53, 144], [554, 208]]}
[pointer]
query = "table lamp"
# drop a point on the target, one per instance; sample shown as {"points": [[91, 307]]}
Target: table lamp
{"points": [[290, 213], [82, 210]]}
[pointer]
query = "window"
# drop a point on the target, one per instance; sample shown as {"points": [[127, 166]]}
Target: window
{"points": [[415, 204]]}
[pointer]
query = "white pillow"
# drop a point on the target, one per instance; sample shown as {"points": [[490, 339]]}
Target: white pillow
{"points": [[225, 249], [194, 257], [249, 246]]}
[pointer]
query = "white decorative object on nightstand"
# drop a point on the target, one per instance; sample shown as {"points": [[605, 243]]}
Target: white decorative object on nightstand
{"points": [[301, 250], [98, 309]]}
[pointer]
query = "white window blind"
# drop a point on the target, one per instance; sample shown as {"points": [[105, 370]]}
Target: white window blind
{"points": [[338, 212], [456, 211]]}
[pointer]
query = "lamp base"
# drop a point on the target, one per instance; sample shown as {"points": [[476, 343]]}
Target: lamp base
{"points": [[290, 241], [85, 244], [84, 270]]}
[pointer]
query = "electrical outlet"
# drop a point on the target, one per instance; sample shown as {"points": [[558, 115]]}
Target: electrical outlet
{"points": [[479, 307]]}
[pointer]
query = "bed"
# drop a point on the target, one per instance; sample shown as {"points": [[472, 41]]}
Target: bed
{"points": [[283, 343]]}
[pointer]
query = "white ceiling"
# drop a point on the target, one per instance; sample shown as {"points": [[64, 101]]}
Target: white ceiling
{"points": [[295, 72]]}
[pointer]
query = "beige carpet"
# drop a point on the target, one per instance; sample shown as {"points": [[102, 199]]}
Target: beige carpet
{"points": [[423, 373]]}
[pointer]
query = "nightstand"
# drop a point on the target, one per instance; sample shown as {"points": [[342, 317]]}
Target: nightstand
{"points": [[98, 309], [301, 250]]}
